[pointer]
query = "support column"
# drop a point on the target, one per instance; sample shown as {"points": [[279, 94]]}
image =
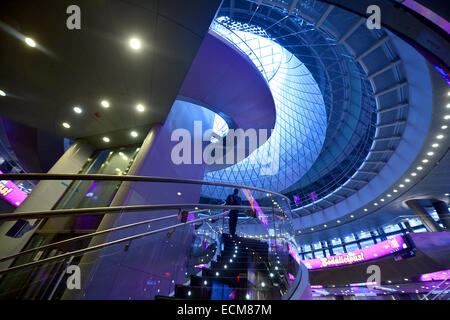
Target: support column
{"points": [[442, 210], [423, 215], [152, 265]]}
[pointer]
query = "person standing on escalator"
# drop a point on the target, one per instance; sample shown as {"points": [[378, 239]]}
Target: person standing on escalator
{"points": [[233, 200]]}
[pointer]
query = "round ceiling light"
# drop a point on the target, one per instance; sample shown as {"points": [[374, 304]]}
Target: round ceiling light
{"points": [[105, 103], [140, 108], [106, 139], [77, 110], [135, 43], [30, 42], [2, 93]]}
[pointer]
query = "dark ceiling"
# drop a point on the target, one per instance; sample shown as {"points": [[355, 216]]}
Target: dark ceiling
{"points": [[70, 68]]}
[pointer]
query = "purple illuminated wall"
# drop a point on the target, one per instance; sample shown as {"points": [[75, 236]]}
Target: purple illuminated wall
{"points": [[435, 276], [369, 253]]}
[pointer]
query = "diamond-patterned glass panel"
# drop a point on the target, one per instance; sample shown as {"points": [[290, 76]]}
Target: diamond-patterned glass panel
{"points": [[301, 118]]}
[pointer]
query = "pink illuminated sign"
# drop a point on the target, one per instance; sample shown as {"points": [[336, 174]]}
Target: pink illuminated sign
{"points": [[293, 253], [375, 251], [435, 276], [11, 193], [255, 206]]}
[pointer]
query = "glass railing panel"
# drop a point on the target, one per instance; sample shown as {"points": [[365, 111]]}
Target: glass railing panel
{"points": [[167, 251]]}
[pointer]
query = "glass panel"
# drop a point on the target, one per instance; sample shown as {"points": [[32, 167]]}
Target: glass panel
{"points": [[391, 228], [366, 243], [413, 222], [160, 253], [336, 241], [338, 250], [349, 238], [351, 247]]}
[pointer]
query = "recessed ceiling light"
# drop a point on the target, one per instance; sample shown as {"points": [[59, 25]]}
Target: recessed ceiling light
{"points": [[447, 194], [419, 168], [140, 108], [365, 209], [118, 170], [447, 116], [395, 190], [30, 42], [179, 193], [440, 136], [2, 93], [325, 225], [338, 221], [77, 110], [414, 174], [430, 153], [135, 43], [435, 145], [66, 125], [425, 160], [312, 229], [375, 204], [382, 200], [134, 134], [352, 216], [106, 139], [444, 127], [407, 180], [401, 185], [389, 195], [105, 103]]}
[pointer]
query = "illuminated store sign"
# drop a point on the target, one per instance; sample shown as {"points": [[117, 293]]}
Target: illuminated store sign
{"points": [[11, 193], [375, 251]]}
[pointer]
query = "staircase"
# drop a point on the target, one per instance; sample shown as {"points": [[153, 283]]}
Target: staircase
{"points": [[240, 269]]}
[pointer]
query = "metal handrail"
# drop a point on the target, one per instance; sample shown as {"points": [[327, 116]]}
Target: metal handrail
{"points": [[116, 209], [85, 236], [106, 244], [93, 234], [433, 290], [442, 293], [110, 177]]}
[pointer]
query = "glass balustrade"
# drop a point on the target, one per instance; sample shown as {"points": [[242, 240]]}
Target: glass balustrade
{"points": [[163, 242]]}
